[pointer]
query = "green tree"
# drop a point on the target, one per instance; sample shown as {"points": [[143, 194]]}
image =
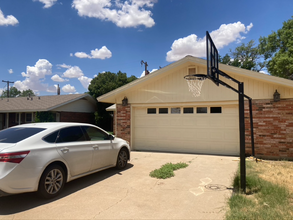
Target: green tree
{"points": [[245, 56], [102, 84], [14, 92], [45, 117], [277, 48]]}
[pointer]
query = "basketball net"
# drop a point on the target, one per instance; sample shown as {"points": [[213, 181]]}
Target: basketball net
{"points": [[194, 84]]}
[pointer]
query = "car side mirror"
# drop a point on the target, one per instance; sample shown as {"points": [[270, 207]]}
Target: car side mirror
{"points": [[111, 137]]}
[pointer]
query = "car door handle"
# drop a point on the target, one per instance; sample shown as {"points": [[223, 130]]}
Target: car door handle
{"points": [[64, 150], [96, 147]]}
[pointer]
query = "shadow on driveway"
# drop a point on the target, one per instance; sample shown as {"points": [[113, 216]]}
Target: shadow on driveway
{"points": [[21, 202]]}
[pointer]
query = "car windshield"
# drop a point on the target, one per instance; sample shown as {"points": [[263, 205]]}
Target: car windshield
{"points": [[14, 135]]}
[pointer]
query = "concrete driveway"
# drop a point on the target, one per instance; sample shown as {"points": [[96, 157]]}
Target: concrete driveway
{"points": [[199, 191]]}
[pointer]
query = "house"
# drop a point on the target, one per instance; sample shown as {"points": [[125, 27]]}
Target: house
{"points": [[65, 108], [158, 113]]}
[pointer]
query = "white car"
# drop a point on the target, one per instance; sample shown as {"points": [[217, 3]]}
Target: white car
{"points": [[42, 157]]}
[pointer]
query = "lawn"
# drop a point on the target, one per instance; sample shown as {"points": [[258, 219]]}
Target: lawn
{"points": [[269, 193]]}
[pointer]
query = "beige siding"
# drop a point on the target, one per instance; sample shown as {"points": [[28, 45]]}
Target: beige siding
{"points": [[172, 87]]}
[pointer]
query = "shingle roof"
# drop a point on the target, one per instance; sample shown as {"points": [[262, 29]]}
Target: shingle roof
{"points": [[39, 103]]}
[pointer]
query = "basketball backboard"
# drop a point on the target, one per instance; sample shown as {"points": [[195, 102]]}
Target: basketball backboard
{"points": [[212, 60]]}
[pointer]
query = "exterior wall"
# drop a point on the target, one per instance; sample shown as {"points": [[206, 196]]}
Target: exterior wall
{"points": [[123, 122], [77, 117], [273, 128]]}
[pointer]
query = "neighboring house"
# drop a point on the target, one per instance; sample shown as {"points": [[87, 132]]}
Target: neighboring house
{"points": [[162, 115], [65, 108]]}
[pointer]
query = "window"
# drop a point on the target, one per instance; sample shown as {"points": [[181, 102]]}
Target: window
{"points": [[14, 135], [152, 110], [71, 134], [175, 110], [192, 70], [188, 110], [28, 117], [216, 110], [51, 138], [95, 134], [200, 110], [163, 110]]}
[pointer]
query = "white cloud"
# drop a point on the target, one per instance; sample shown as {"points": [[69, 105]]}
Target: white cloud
{"points": [[73, 72], [85, 81], [71, 54], [9, 20], [10, 71], [192, 45], [81, 55], [249, 27], [47, 3], [68, 88], [131, 13], [57, 78], [34, 76], [64, 66], [103, 53], [143, 73]]}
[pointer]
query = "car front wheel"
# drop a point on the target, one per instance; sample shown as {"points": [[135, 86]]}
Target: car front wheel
{"points": [[51, 182], [122, 159]]}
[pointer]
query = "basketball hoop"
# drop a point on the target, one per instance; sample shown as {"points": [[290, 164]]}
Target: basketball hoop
{"points": [[195, 83]]}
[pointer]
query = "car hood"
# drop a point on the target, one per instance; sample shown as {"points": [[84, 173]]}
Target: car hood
{"points": [[5, 146]]}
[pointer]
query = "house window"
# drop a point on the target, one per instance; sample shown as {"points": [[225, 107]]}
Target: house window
{"points": [[28, 117], [175, 110], [201, 110], [216, 110], [188, 110], [192, 71], [163, 110], [152, 110]]}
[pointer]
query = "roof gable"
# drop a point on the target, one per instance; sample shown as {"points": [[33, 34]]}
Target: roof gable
{"points": [[147, 82]]}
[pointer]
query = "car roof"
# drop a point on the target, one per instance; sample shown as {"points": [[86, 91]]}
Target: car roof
{"points": [[49, 125]]}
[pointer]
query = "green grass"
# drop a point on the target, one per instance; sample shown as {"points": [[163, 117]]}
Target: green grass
{"points": [[166, 171], [263, 199]]}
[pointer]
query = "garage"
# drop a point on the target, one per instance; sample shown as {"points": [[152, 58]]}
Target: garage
{"points": [[191, 129]]}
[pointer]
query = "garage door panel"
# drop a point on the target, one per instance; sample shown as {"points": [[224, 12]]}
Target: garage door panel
{"points": [[194, 133]]}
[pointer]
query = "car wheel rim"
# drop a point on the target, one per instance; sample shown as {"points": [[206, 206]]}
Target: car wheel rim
{"points": [[53, 182], [122, 158]]}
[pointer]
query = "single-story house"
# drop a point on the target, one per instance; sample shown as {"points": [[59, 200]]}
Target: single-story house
{"points": [[158, 112], [65, 108]]}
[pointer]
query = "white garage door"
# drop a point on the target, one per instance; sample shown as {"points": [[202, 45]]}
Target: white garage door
{"points": [[205, 129]]}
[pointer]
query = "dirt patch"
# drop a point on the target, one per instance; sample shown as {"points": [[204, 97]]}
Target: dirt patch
{"points": [[278, 172]]}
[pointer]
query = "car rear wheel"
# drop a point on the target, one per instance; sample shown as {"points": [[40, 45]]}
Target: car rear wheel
{"points": [[51, 182], [122, 159]]}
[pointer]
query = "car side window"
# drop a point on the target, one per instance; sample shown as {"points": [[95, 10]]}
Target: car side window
{"points": [[51, 138], [95, 134], [71, 134]]}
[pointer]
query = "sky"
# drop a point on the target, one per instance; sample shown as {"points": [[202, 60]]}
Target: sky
{"points": [[44, 43]]}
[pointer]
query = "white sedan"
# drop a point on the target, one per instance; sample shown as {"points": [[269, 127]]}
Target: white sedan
{"points": [[42, 157]]}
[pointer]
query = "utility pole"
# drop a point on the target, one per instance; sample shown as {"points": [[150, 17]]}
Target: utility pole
{"points": [[146, 72], [7, 87]]}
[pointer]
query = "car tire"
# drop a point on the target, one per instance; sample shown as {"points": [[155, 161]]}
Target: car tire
{"points": [[51, 182], [122, 159]]}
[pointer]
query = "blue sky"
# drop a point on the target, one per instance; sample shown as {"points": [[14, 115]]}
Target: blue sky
{"points": [[67, 42]]}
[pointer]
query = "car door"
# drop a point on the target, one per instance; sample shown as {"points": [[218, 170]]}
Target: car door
{"points": [[104, 154], [76, 149]]}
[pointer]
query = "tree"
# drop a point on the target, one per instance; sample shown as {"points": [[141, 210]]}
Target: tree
{"points": [[245, 56], [277, 48], [14, 92], [102, 84]]}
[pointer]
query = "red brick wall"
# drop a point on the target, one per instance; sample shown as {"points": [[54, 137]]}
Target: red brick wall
{"points": [[273, 128], [123, 117], [77, 117]]}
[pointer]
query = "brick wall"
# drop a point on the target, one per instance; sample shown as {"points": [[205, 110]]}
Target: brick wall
{"points": [[77, 117], [273, 128], [123, 117]]}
